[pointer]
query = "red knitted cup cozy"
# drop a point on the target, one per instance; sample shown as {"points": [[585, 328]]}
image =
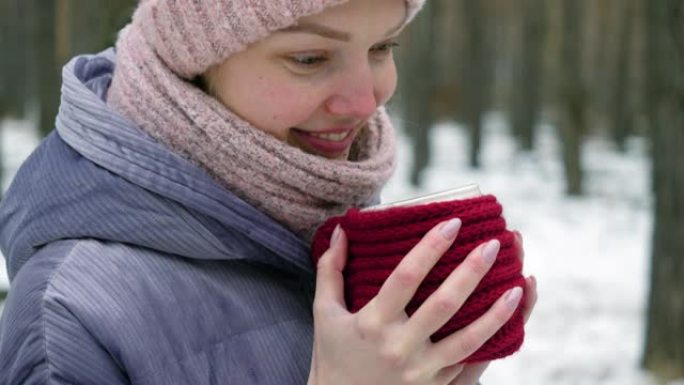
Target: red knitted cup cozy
{"points": [[378, 240]]}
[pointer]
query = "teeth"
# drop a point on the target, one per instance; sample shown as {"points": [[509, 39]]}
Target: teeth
{"points": [[332, 137]]}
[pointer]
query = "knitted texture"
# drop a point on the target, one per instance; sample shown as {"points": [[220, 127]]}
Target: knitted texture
{"points": [[170, 41], [378, 240]]}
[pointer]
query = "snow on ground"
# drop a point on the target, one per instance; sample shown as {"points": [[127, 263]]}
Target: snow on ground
{"points": [[590, 255]]}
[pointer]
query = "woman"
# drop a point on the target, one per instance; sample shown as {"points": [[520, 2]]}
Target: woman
{"points": [[161, 234]]}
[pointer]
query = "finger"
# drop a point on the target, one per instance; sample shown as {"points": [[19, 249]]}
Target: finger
{"points": [[329, 279], [530, 297], [402, 284], [463, 343], [453, 292], [519, 245], [471, 373]]}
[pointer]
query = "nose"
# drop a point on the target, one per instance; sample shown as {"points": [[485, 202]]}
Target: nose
{"points": [[355, 96]]}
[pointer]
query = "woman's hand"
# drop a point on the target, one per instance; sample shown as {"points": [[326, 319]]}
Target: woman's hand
{"points": [[380, 344], [471, 372]]}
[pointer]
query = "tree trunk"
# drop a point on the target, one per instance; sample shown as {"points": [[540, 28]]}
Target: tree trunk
{"points": [[475, 75], [447, 60], [46, 67], [526, 100], [63, 26], [664, 351], [620, 111], [572, 96], [600, 51], [418, 85], [14, 75], [5, 96]]}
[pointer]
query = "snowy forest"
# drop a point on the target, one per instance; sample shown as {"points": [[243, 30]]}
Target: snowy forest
{"points": [[570, 111]]}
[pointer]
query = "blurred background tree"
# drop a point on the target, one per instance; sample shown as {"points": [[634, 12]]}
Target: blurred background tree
{"points": [[528, 67], [572, 98], [38, 37], [665, 328], [585, 68], [578, 65], [419, 86]]}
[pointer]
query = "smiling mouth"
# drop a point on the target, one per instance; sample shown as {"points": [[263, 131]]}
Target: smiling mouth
{"points": [[333, 137], [328, 144]]}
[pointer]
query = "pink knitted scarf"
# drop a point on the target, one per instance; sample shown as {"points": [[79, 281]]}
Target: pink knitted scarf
{"points": [[297, 189]]}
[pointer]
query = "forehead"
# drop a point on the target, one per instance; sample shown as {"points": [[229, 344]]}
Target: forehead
{"points": [[356, 17]]}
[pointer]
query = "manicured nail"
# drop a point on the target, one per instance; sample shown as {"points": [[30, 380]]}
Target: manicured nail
{"points": [[335, 236], [513, 296], [450, 229], [490, 250]]}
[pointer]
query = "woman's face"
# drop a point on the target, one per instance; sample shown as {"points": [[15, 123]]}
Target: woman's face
{"points": [[314, 85]]}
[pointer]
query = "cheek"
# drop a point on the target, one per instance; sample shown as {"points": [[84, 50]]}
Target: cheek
{"points": [[387, 84], [284, 104]]}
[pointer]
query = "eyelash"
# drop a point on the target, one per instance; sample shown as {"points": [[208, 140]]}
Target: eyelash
{"points": [[311, 61]]}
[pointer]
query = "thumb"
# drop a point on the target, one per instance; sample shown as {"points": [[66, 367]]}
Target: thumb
{"points": [[329, 277]]}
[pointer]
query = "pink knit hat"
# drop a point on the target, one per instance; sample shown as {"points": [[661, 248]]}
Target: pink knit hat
{"points": [[191, 36]]}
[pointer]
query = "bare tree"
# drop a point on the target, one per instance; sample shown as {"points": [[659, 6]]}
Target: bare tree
{"points": [[87, 26], [4, 43], [54, 31], [621, 116], [664, 350], [601, 31], [4, 95], [14, 93], [526, 96], [45, 66], [475, 74], [418, 87], [572, 95]]}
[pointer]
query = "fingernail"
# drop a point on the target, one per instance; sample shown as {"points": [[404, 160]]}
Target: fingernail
{"points": [[335, 236], [490, 250], [513, 296], [450, 229]]}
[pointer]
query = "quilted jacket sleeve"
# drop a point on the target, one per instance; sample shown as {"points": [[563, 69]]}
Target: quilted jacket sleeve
{"points": [[41, 342]]}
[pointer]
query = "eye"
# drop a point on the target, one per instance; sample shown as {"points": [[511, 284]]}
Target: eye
{"points": [[385, 48], [308, 61]]}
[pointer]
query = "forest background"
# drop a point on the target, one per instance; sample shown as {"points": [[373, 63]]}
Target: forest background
{"points": [[588, 69]]}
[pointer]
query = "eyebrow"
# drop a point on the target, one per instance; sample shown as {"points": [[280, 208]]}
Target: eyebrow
{"points": [[327, 32]]}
